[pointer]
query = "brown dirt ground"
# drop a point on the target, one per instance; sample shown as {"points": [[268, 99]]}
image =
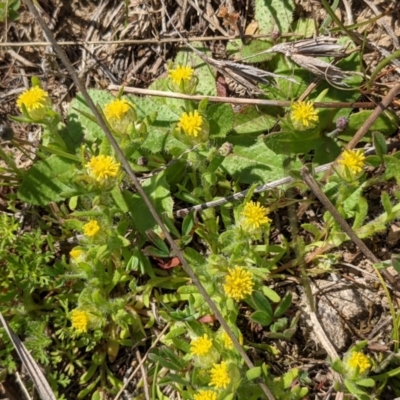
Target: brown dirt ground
{"points": [[138, 65]]}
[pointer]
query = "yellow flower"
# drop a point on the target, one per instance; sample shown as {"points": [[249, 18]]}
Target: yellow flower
{"points": [[205, 395], [191, 123], [180, 73], [359, 361], [219, 376], [227, 341], [75, 253], [304, 115], [120, 114], [238, 283], [103, 167], [201, 346], [80, 320], [353, 160], [92, 228], [116, 109], [36, 102], [254, 215]]}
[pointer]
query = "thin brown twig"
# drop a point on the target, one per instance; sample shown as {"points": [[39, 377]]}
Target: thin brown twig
{"points": [[138, 41], [144, 376], [234, 100]]}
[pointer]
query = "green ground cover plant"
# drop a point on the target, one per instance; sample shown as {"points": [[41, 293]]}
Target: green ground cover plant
{"points": [[95, 274]]}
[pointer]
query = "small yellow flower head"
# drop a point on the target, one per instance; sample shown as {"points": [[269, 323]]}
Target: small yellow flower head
{"points": [[75, 253], [205, 395], [91, 229], [254, 216], [201, 346], [304, 115], [219, 376], [191, 123], [120, 114], [36, 102], [238, 283], [353, 160], [180, 73], [80, 320], [357, 364], [228, 344], [103, 167]]}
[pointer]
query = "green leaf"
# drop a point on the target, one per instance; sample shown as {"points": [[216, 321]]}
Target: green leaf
{"points": [[274, 15], [289, 377], [384, 124], [241, 51], [46, 180], [284, 305], [352, 387], [271, 294], [253, 373], [396, 262], [220, 119], [379, 144], [261, 303], [261, 318], [367, 382], [387, 204], [252, 162], [293, 142], [255, 120], [392, 168], [157, 189], [188, 224]]}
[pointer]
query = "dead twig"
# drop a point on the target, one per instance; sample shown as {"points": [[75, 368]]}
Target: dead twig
{"points": [[234, 100]]}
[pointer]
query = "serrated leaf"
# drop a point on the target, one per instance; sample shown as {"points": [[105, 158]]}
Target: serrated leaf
{"points": [[46, 180], [252, 162]]}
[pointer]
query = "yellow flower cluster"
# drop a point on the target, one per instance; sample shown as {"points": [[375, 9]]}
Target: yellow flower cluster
{"points": [[254, 216], [304, 115], [201, 346], [238, 283], [180, 73], [120, 115], [219, 376], [91, 229], [354, 160], [103, 167], [117, 109], [36, 102], [360, 361], [80, 320], [191, 123], [75, 253]]}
